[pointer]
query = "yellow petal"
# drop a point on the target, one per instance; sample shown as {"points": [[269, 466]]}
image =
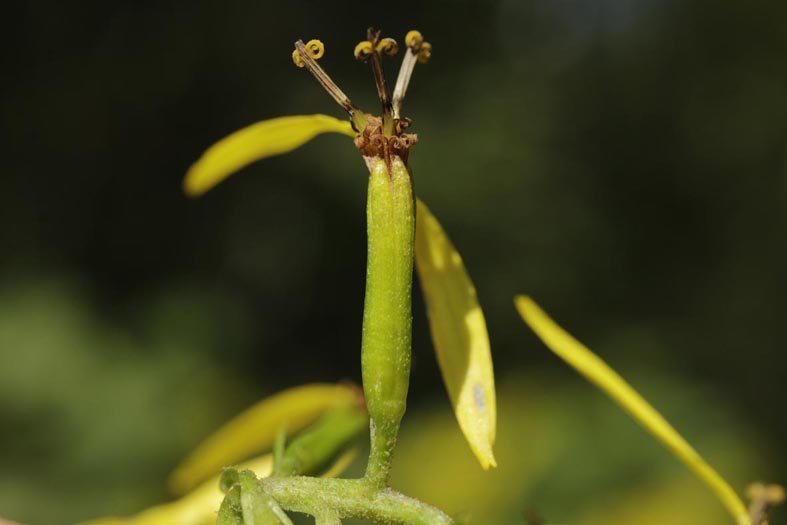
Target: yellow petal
{"points": [[254, 430], [459, 334], [255, 142], [599, 373]]}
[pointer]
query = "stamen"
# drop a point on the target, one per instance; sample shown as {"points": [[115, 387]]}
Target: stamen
{"points": [[316, 48], [296, 59], [379, 80], [413, 39], [425, 53], [388, 47], [306, 55], [763, 497], [363, 51], [403, 80], [417, 51]]}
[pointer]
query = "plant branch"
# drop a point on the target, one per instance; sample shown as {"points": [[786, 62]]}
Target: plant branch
{"points": [[350, 498], [327, 518]]}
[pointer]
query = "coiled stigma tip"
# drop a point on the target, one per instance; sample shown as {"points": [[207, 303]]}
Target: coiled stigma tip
{"points": [[425, 53], [413, 39], [363, 51], [387, 47], [315, 48]]}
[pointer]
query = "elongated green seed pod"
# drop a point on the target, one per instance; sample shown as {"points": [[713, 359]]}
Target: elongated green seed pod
{"points": [[318, 445], [387, 318]]}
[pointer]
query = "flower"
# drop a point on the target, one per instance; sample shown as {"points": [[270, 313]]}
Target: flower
{"points": [[456, 321]]}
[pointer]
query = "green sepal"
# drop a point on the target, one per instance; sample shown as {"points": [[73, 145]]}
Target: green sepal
{"points": [[231, 510], [258, 507], [229, 477]]}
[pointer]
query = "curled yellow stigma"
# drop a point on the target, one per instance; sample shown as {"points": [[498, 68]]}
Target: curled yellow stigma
{"points": [[363, 50], [316, 48], [425, 53], [296, 58], [413, 39], [387, 47]]}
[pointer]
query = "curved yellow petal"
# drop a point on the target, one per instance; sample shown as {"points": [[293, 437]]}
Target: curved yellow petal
{"points": [[258, 141], [255, 429], [599, 373], [459, 334]]}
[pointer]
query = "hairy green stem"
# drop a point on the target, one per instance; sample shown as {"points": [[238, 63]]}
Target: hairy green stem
{"points": [[387, 317], [351, 498], [327, 518]]}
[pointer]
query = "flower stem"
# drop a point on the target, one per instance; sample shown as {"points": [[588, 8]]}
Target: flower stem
{"points": [[351, 498], [327, 518]]}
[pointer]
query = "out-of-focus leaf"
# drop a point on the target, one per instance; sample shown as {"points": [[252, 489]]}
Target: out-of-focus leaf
{"points": [[342, 462]]}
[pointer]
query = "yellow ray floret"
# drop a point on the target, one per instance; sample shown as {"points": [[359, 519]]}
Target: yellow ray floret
{"points": [[255, 142], [459, 334], [255, 430], [599, 373]]}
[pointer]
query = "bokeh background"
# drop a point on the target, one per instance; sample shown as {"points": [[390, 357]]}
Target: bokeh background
{"points": [[624, 162]]}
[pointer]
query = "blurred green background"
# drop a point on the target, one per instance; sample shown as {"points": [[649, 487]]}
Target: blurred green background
{"points": [[624, 162]]}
